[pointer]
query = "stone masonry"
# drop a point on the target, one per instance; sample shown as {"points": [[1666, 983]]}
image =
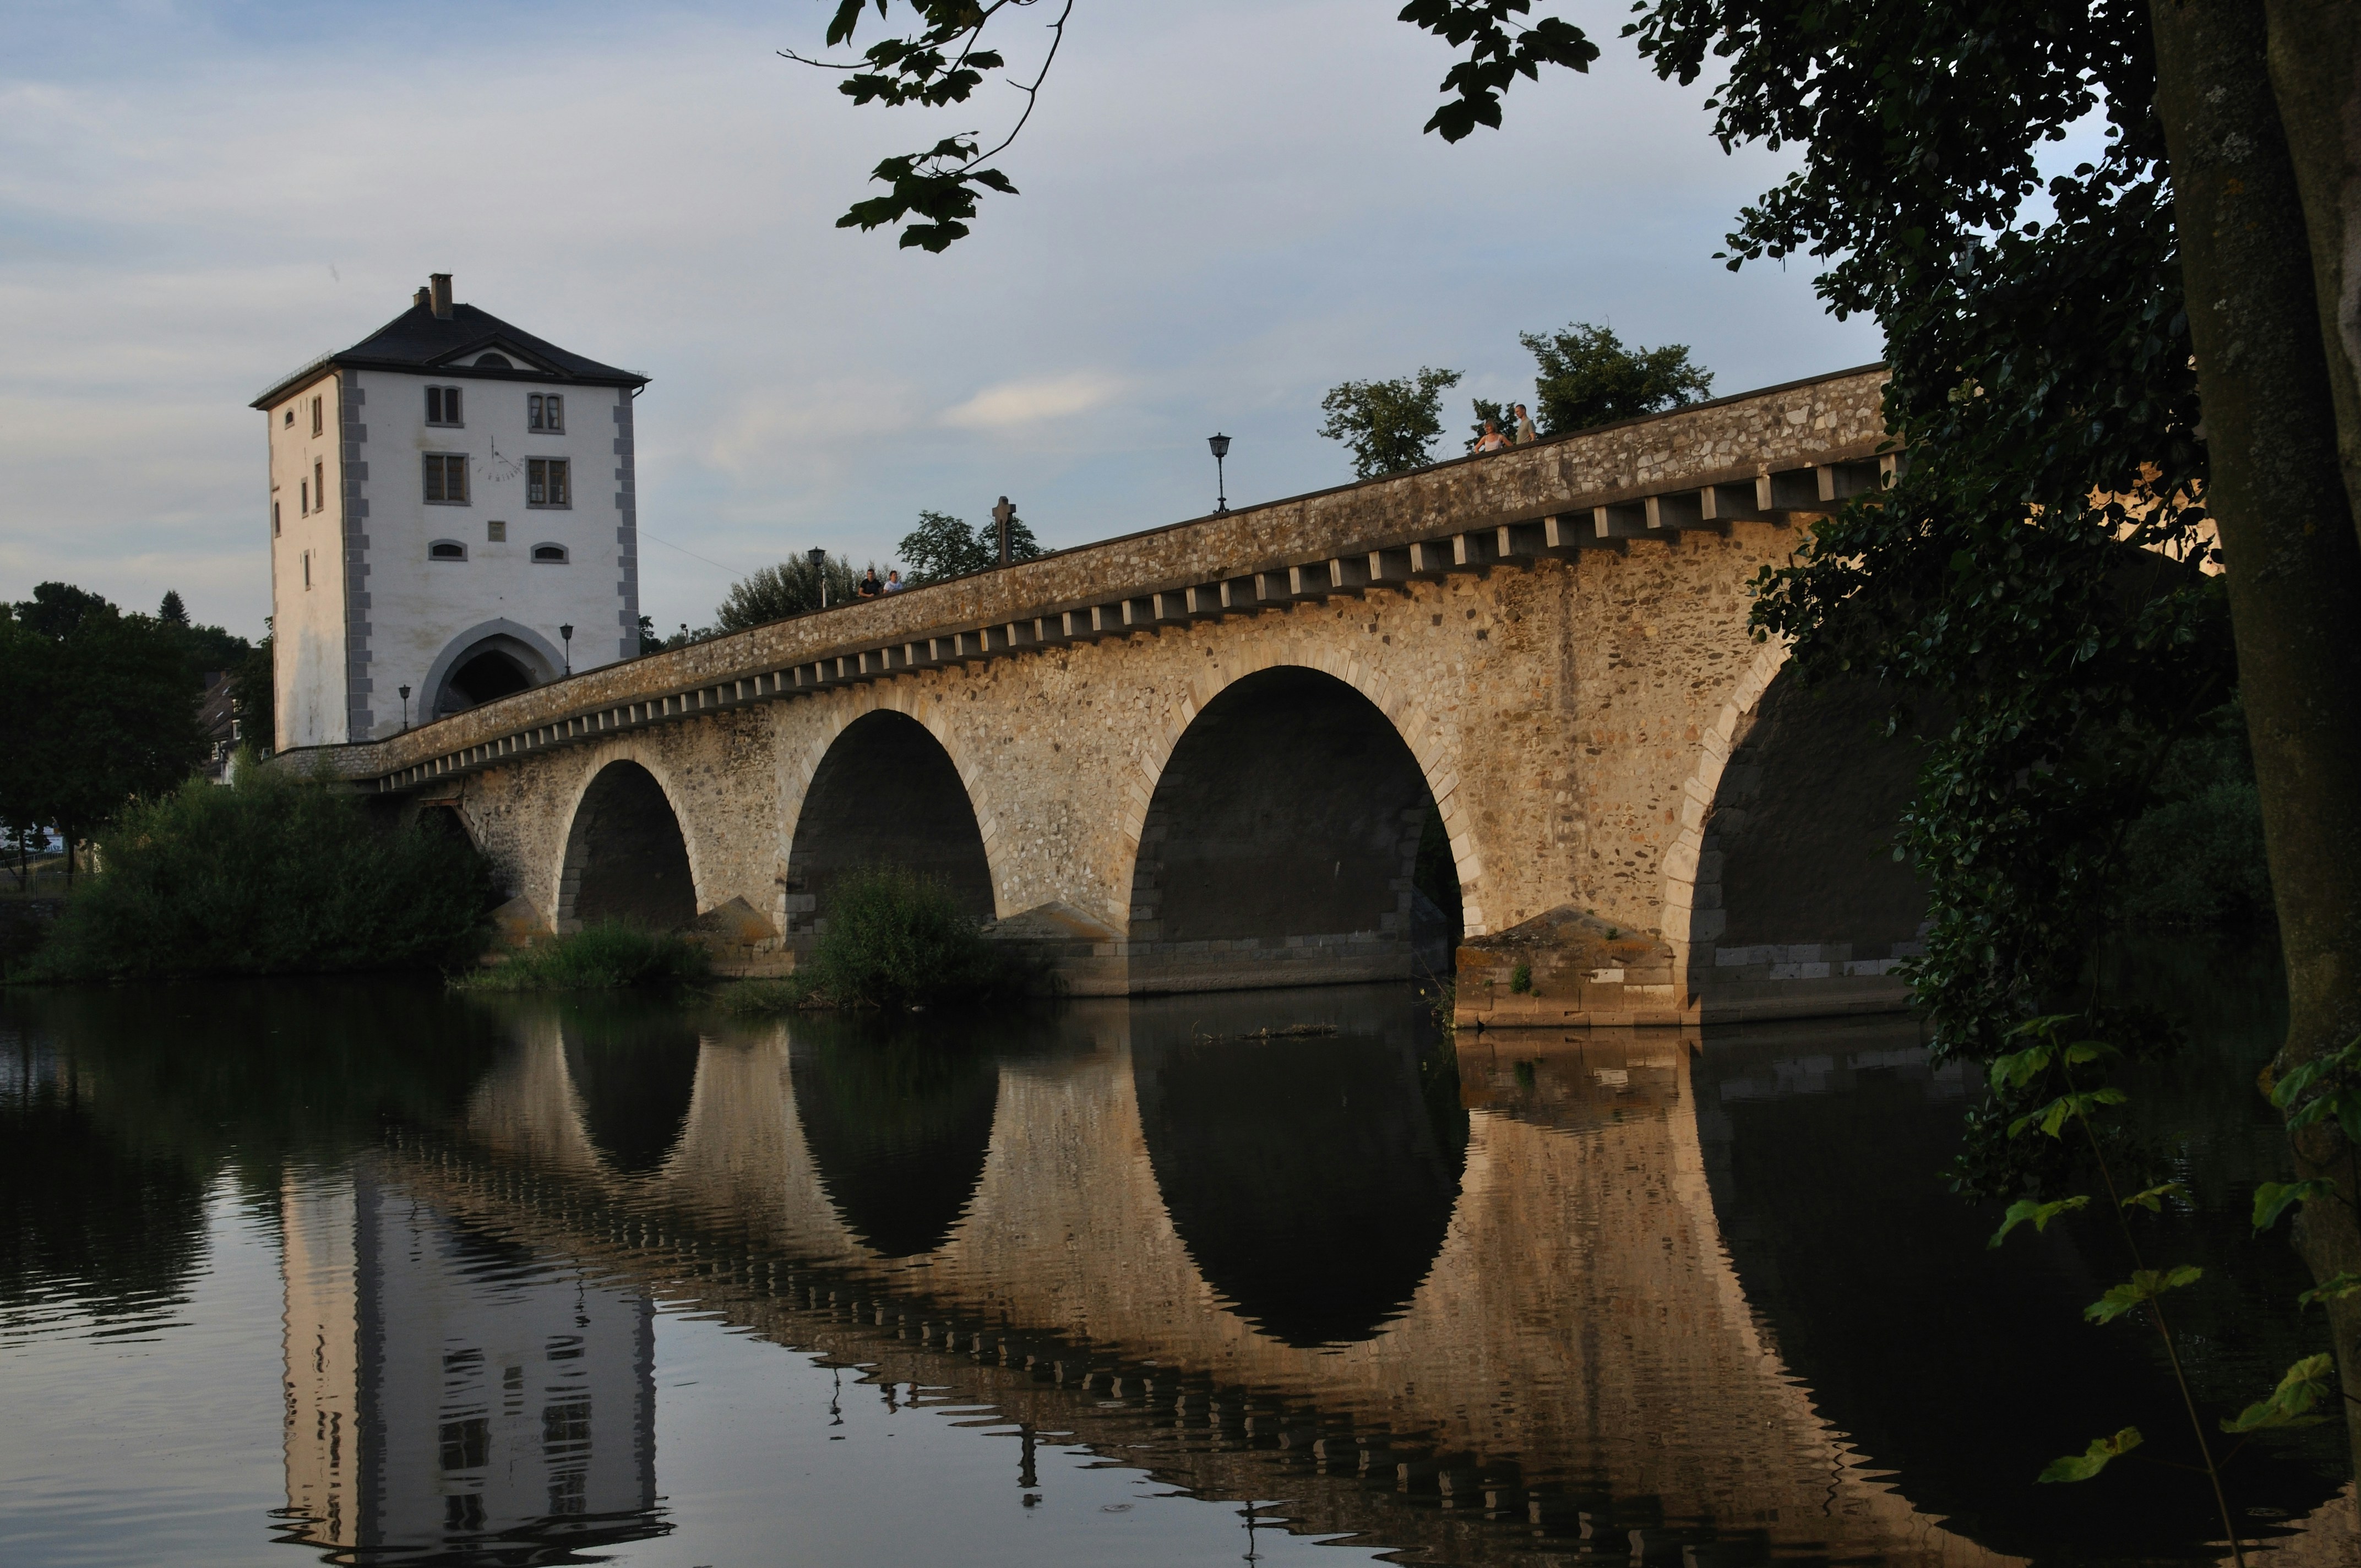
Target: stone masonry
{"points": [[1556, 633]]}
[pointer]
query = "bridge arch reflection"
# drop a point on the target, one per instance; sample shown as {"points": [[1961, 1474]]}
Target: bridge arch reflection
{"points": [[1312, 1186], [897, 1128], [633, 1081]]}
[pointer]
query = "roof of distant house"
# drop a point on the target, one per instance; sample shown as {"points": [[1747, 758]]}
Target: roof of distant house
{"points": [[467, 344]]}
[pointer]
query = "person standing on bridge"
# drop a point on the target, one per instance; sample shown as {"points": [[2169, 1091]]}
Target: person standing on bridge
{"points": [[1491, 440], [869, 588], [894, 583], [1525, 430]]}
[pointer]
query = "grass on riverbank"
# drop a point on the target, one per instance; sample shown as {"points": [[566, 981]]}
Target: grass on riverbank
{"points": [[894, 941], [273, 874], [611, 956]]}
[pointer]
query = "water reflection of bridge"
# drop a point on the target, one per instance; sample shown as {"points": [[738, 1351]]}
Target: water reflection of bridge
{"points": [[1548, 1327]]}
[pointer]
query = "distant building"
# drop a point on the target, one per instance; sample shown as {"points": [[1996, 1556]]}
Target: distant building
{"points": [[442, 503], [217, 715]]}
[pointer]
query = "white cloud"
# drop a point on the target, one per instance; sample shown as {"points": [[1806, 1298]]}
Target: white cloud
{"points": [[1035, 401]]}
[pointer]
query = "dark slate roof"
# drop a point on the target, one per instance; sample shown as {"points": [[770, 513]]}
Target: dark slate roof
{"points": [[419, 340]]}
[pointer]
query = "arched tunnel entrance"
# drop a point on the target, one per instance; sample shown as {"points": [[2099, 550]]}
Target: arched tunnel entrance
{"points": [[626, 858], [1799, 871], [1287, 825], [886, 795]]}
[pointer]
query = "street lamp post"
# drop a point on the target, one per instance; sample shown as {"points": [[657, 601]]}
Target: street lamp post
{"points": [[405, 708], [567, 632], [1221, 445], [818, 559]]}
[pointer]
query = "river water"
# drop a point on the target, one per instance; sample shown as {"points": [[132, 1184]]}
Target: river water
{"points": [[362, 1273]]}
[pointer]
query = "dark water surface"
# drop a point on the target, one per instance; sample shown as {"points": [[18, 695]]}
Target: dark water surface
{"points": [[366, 1274]]}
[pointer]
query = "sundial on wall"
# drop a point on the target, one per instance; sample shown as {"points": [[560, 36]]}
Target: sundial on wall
{"points": [[498, 467]]}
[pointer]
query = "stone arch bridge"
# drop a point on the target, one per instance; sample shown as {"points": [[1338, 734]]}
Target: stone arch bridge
{"points": [[1277, 745]]}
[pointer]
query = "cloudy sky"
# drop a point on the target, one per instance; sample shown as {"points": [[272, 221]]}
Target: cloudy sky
{"points": [[1227, 208]]}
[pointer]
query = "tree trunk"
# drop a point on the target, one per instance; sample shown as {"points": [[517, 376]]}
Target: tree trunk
{"points": [[2277, 491], [2315, 65]]}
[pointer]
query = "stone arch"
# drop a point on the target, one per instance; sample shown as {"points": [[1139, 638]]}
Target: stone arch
{"points": [[502, 640], [1782, 871], [628, 851], [1428, 746], [886, 783]]}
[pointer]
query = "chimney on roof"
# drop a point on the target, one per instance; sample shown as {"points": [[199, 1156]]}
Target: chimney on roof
{"points": [[421, 299], [439, 287]]}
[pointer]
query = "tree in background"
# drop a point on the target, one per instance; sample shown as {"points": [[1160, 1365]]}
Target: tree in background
{"points": [[943, 546], [172, 612], [1390, 427], [99, 712], [1588, 378], [791, 587], [254, 691]]}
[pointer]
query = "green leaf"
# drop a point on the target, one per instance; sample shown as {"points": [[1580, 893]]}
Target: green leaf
{"points": [[2153, 1199], [2020, 1067], [2145, 1285], [2082, 1051], [2346, 1283], [2307, 1383], [2039, 1213], [2272, 1199], [2053, 1116], [2091, 1460]]}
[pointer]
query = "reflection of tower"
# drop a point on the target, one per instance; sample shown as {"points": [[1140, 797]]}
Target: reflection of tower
{"points": [[444, 1388]]}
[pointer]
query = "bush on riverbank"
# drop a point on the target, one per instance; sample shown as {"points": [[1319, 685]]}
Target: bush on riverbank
{"points": [[611, 956], [274, 874], [2196, 859], [895, 939]]}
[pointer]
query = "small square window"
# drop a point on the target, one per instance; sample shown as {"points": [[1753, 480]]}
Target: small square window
{"points": [[547, 482], [447, 479], [496, 532], [442, 405], [317, 425], [545, 411], [290, 416]]}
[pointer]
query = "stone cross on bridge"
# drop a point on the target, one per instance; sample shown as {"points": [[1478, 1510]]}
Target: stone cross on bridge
{"points": [[1510, 698]]}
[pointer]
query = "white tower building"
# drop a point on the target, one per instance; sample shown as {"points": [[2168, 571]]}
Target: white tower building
{"points": [[441, 514]]}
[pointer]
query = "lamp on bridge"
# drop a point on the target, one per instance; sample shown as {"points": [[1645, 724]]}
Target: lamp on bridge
{"points": [[1221, 445], [568, 633], [405, 708], [819, 558]]}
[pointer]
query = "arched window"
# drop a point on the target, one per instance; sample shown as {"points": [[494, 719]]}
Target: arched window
{"points": [[549, 555], [494, 362], [447, 549]]}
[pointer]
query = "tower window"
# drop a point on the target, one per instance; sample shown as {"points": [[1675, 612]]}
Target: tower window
{"points": [[307, 568], [447, 549], [549, 555], [303, 498], [274, 520], [290, 416], [544, 412], [320, 485], [447, 479], [317, 425], [442, 405], [547, 482]]}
